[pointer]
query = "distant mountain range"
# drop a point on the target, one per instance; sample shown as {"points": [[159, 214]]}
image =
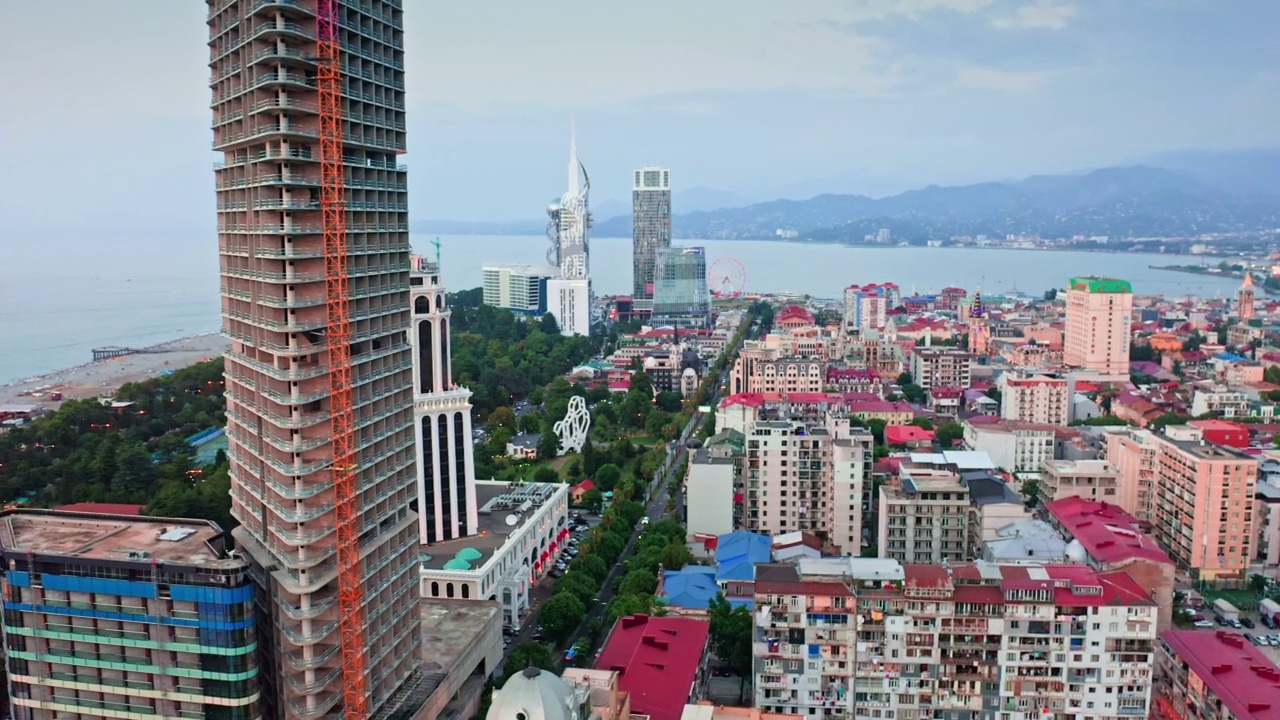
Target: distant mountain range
{"points": [[1195, 193]]}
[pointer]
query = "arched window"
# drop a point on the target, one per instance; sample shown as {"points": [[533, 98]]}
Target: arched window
{"points": [[448, 590], [435, 589], [422, 305], [466, 592], [440, 302]]}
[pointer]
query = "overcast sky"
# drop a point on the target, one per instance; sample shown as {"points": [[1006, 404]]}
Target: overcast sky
{"points": [[106, 118]]}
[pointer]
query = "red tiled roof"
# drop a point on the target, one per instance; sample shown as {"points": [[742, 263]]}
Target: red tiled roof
{"points": [[102, 508], [879, 406], [1107, 532], [793, 312], [657, 659], [585, 485], [903, 434], [978, 595], [1241, 676], [802, 587]]}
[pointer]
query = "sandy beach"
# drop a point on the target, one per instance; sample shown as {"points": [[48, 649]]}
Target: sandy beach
{"points": [[102, 378]]}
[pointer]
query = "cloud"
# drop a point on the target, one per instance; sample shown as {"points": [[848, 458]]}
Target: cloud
{"points": [[977, 77], [1043, 15]]}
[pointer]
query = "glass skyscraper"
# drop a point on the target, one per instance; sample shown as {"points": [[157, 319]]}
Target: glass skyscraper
{"points": [[680, 294], [650, 230]]}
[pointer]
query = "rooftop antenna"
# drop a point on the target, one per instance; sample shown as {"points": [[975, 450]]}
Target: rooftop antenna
{"points": [[436, 244]]}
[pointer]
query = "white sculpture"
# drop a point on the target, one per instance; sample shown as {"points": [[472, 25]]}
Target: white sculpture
{"points": [[572, 430]]}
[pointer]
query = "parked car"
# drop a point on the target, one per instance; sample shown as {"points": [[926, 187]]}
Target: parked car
{"points": [[1222, 622], [1247, 623], [1203, 624], [1266, 620], [1235, 624]]}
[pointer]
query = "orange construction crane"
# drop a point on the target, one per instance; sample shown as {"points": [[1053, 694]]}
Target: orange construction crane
{"points": [[346, 500]]}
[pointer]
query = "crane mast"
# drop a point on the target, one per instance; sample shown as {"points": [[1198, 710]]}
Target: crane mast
{"points": [[346, 503]]}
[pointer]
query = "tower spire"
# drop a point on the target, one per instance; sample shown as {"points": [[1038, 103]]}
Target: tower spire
{"points": [[573, 157]]}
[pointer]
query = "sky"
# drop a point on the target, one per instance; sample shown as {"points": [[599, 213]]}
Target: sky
{"points": [[106, 122]]}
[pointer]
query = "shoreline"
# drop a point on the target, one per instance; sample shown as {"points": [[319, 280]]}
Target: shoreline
{"points": [[104, 377]]}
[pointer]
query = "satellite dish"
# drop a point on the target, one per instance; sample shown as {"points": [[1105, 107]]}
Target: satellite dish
{"points": [[512, 519]]}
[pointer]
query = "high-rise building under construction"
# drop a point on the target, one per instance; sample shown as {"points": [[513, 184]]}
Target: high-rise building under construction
{"points": [[309, 115]]}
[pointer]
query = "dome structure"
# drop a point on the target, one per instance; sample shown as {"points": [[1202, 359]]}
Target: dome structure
{"points": [[1076, 553], [535, 694]]}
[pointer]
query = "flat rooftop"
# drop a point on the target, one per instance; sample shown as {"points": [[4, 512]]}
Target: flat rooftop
{"points": [[112, 537], [499, 503], [450, 628]]}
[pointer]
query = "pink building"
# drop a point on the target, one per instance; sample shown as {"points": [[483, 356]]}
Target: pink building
{"points": [[1204, 505], [1098, 317], [1133, 454]]}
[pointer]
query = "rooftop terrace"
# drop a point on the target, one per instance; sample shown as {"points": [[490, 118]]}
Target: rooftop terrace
{"points": [[504, 511], [113, 537]]}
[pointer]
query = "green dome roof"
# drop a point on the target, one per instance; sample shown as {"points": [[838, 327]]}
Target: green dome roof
{"points": [[457, 564]]}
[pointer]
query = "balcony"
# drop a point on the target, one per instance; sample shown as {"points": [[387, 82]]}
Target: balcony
{"points": [[262, 131], [291, 29], [268, 179]]}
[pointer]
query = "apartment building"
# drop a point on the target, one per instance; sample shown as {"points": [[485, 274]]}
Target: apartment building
{"points": [[941, 367], [1096, 480], [787, 375], [1132, 452], [1105, 537], [1204, 506], [521, 289], [811, 476], [1035, 397], [1015, 445], [125, 616], [1220, 400], [1216, 675], [924, 516], [864, 638], [1098, 322]]}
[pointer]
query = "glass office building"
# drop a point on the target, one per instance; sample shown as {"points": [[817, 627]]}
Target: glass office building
{"points": [[680, 295]]}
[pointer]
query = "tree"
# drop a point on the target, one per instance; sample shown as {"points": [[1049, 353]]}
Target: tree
{"points": [[580, 585], [561, 615], [610, 547], [547, 324], [593, 500], [913, 393], [905, 379], [626, 605], [607, 477], [546, 474], [877, 426], [526, 655], [1031, 491], [923, 423], [638, 582], [503, 417], [593, 565], [590, 460], [949, 432], [530, 422], [731, 635], [676, 556], [669, 401], [548, 444]]}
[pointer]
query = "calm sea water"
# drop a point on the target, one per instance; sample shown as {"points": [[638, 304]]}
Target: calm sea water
{"points": [[61, 298]]}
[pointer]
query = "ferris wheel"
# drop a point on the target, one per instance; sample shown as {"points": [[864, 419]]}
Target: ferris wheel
{"points": [[726, 278]]}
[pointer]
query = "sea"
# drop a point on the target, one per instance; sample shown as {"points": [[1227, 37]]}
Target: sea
{"points": [[59, 299]]}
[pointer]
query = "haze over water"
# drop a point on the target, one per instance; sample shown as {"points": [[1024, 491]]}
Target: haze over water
{"points": [[138, 292]]}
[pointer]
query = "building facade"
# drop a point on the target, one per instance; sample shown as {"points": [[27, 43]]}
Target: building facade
{"points": [[650, 231], [1096, 480], [867, 307], [521, 289], [1099, 314], [941, 367], [126, 616], [924, 517], [680, 294], [282, 301], [1035, 397], [446, 503], [1133, 454], [522, 532], [1204, 507], [849, 638], [1016, 446], [1244, 300]]}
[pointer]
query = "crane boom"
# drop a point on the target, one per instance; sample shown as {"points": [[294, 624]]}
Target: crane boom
{"points": [[346, 500]]}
